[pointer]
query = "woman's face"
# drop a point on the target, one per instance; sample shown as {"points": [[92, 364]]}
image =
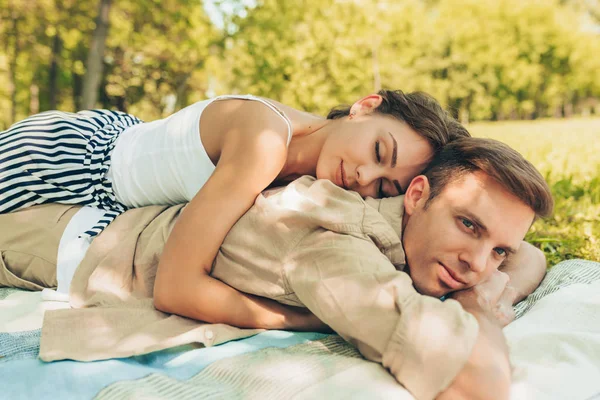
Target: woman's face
{"points": [[373, 154]]}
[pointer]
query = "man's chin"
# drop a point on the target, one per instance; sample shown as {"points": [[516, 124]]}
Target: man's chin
{"points": [[431, 291]]}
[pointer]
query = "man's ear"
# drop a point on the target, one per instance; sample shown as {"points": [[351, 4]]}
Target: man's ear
{"points": [[416, 195], [366, 105]]}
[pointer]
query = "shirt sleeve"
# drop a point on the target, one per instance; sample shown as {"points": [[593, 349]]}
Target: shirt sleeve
{"points": [[351, 286]]}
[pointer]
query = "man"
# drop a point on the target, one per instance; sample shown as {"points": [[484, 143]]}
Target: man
{"points": [[315, 245]]}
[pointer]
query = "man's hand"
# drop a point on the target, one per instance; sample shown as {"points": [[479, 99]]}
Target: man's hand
{"points": [[496, 295], [522, 273], [503, 310], [486, 375], [486, 293], [526, 270]]}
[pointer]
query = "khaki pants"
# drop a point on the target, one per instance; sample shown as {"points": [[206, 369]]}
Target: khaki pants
{"points": [[29, 241]]}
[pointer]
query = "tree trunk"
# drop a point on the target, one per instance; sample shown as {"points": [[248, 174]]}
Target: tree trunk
{"points": [[34, 99], [463, 115], [53, 74], [376, 70], [93, 74], [180, 92], [77, 89], [568, 109], [13, 70]]}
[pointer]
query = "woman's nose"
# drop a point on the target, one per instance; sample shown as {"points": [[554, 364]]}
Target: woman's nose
{"points": [[365, 175]]}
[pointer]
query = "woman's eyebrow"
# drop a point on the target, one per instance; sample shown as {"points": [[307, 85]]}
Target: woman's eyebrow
{"points": [[394, 151]]}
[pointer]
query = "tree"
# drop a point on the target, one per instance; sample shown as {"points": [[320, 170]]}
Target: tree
{"points": [[95, 60]]}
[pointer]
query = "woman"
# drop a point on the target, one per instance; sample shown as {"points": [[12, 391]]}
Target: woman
{"points": [[218, 154]]}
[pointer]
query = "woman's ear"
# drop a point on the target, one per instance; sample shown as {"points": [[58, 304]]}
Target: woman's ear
{"points": [[416, 195], [366, 105]]}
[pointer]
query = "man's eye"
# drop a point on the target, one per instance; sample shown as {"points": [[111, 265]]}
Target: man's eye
{"points": [[500, 251], [377, 156], [468, 224]]}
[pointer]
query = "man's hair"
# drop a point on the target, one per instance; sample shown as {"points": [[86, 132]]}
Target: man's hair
{"points": [[497, 160], [418, 110]]}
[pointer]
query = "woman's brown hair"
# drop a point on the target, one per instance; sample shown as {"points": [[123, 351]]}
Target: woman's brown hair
{"points": [[418, 110]]}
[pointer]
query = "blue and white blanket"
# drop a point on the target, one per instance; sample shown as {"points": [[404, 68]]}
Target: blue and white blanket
{"points": [[554, 348]]}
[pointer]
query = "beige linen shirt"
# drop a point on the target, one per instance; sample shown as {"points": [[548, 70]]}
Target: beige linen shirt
{"points": [[310, 244], [316, 245]]}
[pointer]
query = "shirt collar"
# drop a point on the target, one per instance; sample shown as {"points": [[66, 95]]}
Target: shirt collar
{"points": [[392, 210]]}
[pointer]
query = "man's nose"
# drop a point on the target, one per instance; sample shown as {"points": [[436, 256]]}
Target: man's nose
{"points": [[476, 257]]}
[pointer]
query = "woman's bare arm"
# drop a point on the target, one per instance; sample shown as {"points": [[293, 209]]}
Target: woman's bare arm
{"points": [[250, 159]]}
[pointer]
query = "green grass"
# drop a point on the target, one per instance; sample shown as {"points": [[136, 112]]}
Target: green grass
{"points": [[567, 153]]}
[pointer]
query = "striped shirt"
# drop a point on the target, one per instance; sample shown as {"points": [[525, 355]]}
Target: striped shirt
{"points": [[62, 157]]}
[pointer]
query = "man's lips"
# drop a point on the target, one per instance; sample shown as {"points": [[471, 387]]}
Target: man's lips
{"points": [[450, 278]]}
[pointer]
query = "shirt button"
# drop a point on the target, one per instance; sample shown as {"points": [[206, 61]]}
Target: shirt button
{"points": [[208, 334]]}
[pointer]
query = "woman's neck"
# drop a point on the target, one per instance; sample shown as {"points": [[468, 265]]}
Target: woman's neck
{"points": [[305, 147]]}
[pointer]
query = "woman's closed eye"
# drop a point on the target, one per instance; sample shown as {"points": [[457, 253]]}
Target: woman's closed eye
{"points": [[380, 193], [377, 154]]}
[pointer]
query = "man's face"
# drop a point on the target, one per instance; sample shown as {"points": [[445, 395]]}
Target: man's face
{"points": [[463, 235]]}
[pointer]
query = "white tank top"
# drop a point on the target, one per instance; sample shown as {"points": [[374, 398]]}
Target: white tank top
{"points": [[164, 161]]}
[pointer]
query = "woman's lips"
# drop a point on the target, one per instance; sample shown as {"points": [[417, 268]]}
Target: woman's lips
{"points": [[343, 175]]}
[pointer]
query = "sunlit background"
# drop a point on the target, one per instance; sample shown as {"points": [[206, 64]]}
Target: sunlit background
{"points": [[531, 68]]}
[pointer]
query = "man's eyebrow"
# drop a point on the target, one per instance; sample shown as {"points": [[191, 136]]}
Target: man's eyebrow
{"points": [[509, 250], [474, 218], [394, 151], [482, 227]]}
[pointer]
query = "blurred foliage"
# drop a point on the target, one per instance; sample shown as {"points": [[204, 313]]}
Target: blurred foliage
{"points": [[567, 152], [155, 55], [484, 59]]}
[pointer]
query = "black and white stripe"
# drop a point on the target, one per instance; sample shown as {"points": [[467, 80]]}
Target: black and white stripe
{"points": [[61, 157]]}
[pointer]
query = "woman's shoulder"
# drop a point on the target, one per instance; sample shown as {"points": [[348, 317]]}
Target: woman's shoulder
{"points": [[238, 120]]}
